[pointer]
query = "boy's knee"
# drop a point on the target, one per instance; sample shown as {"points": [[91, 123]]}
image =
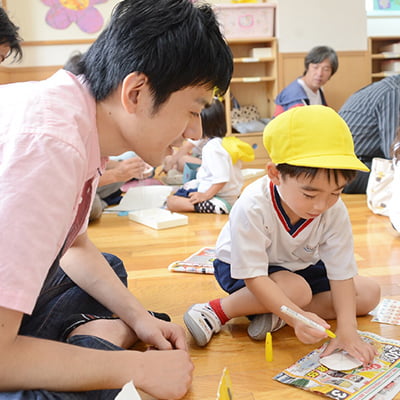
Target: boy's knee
{"points": [[170, 203], [294, 286], [369, 296], [305, 297]]}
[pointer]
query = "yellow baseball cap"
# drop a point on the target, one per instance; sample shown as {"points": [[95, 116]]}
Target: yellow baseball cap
{"points": [[311, 136]]}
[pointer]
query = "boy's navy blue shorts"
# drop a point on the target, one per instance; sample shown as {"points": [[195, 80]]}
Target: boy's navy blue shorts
{"points": [[315, 275], [184, 192]]}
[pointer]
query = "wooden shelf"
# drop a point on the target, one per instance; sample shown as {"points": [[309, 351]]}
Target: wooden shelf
{"points": [[385, 56], [253, 79], [380, 56], [384, 74], [239, 60], [254, 82]]}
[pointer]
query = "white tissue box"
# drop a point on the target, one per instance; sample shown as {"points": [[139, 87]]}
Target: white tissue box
{"points": [[158, 218], [261, 52]]}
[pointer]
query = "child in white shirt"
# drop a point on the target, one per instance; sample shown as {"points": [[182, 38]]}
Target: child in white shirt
{"points": [[219, 179], [288, 241]]}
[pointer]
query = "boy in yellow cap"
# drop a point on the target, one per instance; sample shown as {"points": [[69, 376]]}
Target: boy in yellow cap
{"points": [[288, 241]]}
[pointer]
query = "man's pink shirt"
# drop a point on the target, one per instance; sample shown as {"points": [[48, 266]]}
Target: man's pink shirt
{"points": [[48, 150]]}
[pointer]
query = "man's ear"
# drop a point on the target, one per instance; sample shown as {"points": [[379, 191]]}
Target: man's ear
{"points": [[273, 173], [132, 86]]}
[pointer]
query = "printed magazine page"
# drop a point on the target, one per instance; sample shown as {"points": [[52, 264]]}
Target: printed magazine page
{"points": [[378, 381], [200, 262]]}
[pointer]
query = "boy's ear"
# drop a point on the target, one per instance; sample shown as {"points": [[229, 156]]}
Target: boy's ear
{"points": [[132, 86], [273, 173]]}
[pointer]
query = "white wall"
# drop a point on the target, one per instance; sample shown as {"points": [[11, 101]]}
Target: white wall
{"points": [[383, 26], [300, 25], [340, 24]]}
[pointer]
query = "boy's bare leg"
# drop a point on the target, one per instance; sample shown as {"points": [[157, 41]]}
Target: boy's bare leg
{"points": [[285, 283], [367, 298], [179, 204], [113, 330]]}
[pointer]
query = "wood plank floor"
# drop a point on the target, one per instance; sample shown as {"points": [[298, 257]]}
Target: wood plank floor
{"points": [[147, 253]]}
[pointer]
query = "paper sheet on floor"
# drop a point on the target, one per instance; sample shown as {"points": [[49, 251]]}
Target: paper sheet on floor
{"points": [[141, 198], [128, 392]]}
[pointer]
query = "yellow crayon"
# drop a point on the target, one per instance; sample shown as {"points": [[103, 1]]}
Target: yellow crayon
{"points": [[268, 347]]}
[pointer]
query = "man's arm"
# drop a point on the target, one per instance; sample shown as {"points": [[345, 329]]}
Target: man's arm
{"points": [[88, 268], [28, 363]]}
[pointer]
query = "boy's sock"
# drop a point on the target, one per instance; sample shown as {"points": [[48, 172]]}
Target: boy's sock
{"points": [[205, 207], [215, 205], [217, 308]]}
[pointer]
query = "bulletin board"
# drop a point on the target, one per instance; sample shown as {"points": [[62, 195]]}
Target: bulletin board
{"points": [[31, 17], [382, 8]]}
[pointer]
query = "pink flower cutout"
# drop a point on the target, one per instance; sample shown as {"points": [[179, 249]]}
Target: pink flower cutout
{"points": [[63, 13]]}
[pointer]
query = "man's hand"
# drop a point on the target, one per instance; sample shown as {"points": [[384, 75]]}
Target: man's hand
{"points": [[161, 334], [166, 374]]}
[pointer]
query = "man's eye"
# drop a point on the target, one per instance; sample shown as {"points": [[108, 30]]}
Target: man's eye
{"points": [[308, 196]]}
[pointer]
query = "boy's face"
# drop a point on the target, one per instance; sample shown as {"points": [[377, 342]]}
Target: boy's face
{"points": [[305, 197], [175, 120], [318, 74]]}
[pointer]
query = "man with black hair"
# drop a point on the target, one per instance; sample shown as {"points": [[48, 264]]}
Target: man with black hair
{"points": [[141, 87], [9, 38]]}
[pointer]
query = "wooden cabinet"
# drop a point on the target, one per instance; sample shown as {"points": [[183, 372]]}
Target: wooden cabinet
{"points": [[254, 82], [385, 56]]}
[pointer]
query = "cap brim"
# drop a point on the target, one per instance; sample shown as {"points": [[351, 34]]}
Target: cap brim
{"points": [[330, 162]]}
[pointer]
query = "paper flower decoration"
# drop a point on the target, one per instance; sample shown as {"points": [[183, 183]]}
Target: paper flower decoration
{"points": [[63, 13]]}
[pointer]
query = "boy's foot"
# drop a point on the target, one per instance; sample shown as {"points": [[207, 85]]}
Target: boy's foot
{"points": [[263, 323], [221, 206], [202, 323]]}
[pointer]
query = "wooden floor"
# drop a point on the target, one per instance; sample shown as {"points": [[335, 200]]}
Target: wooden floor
{"points": [[147, 253]]}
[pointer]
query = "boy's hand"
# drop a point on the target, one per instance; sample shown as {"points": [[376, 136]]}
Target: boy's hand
{"points": [[350, 341], [306, 333], [198, 197]]}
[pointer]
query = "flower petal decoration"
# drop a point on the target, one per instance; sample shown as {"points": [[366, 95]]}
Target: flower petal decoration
{"points": [[63, 13]]}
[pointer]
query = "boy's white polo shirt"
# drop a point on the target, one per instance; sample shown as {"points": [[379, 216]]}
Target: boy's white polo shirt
{"points": [[255, 237], [217, 167], [48, 150]]}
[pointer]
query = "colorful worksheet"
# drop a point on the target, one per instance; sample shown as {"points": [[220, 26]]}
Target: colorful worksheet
{"points": [[387, 312], [379, 381], [200, 262]]}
